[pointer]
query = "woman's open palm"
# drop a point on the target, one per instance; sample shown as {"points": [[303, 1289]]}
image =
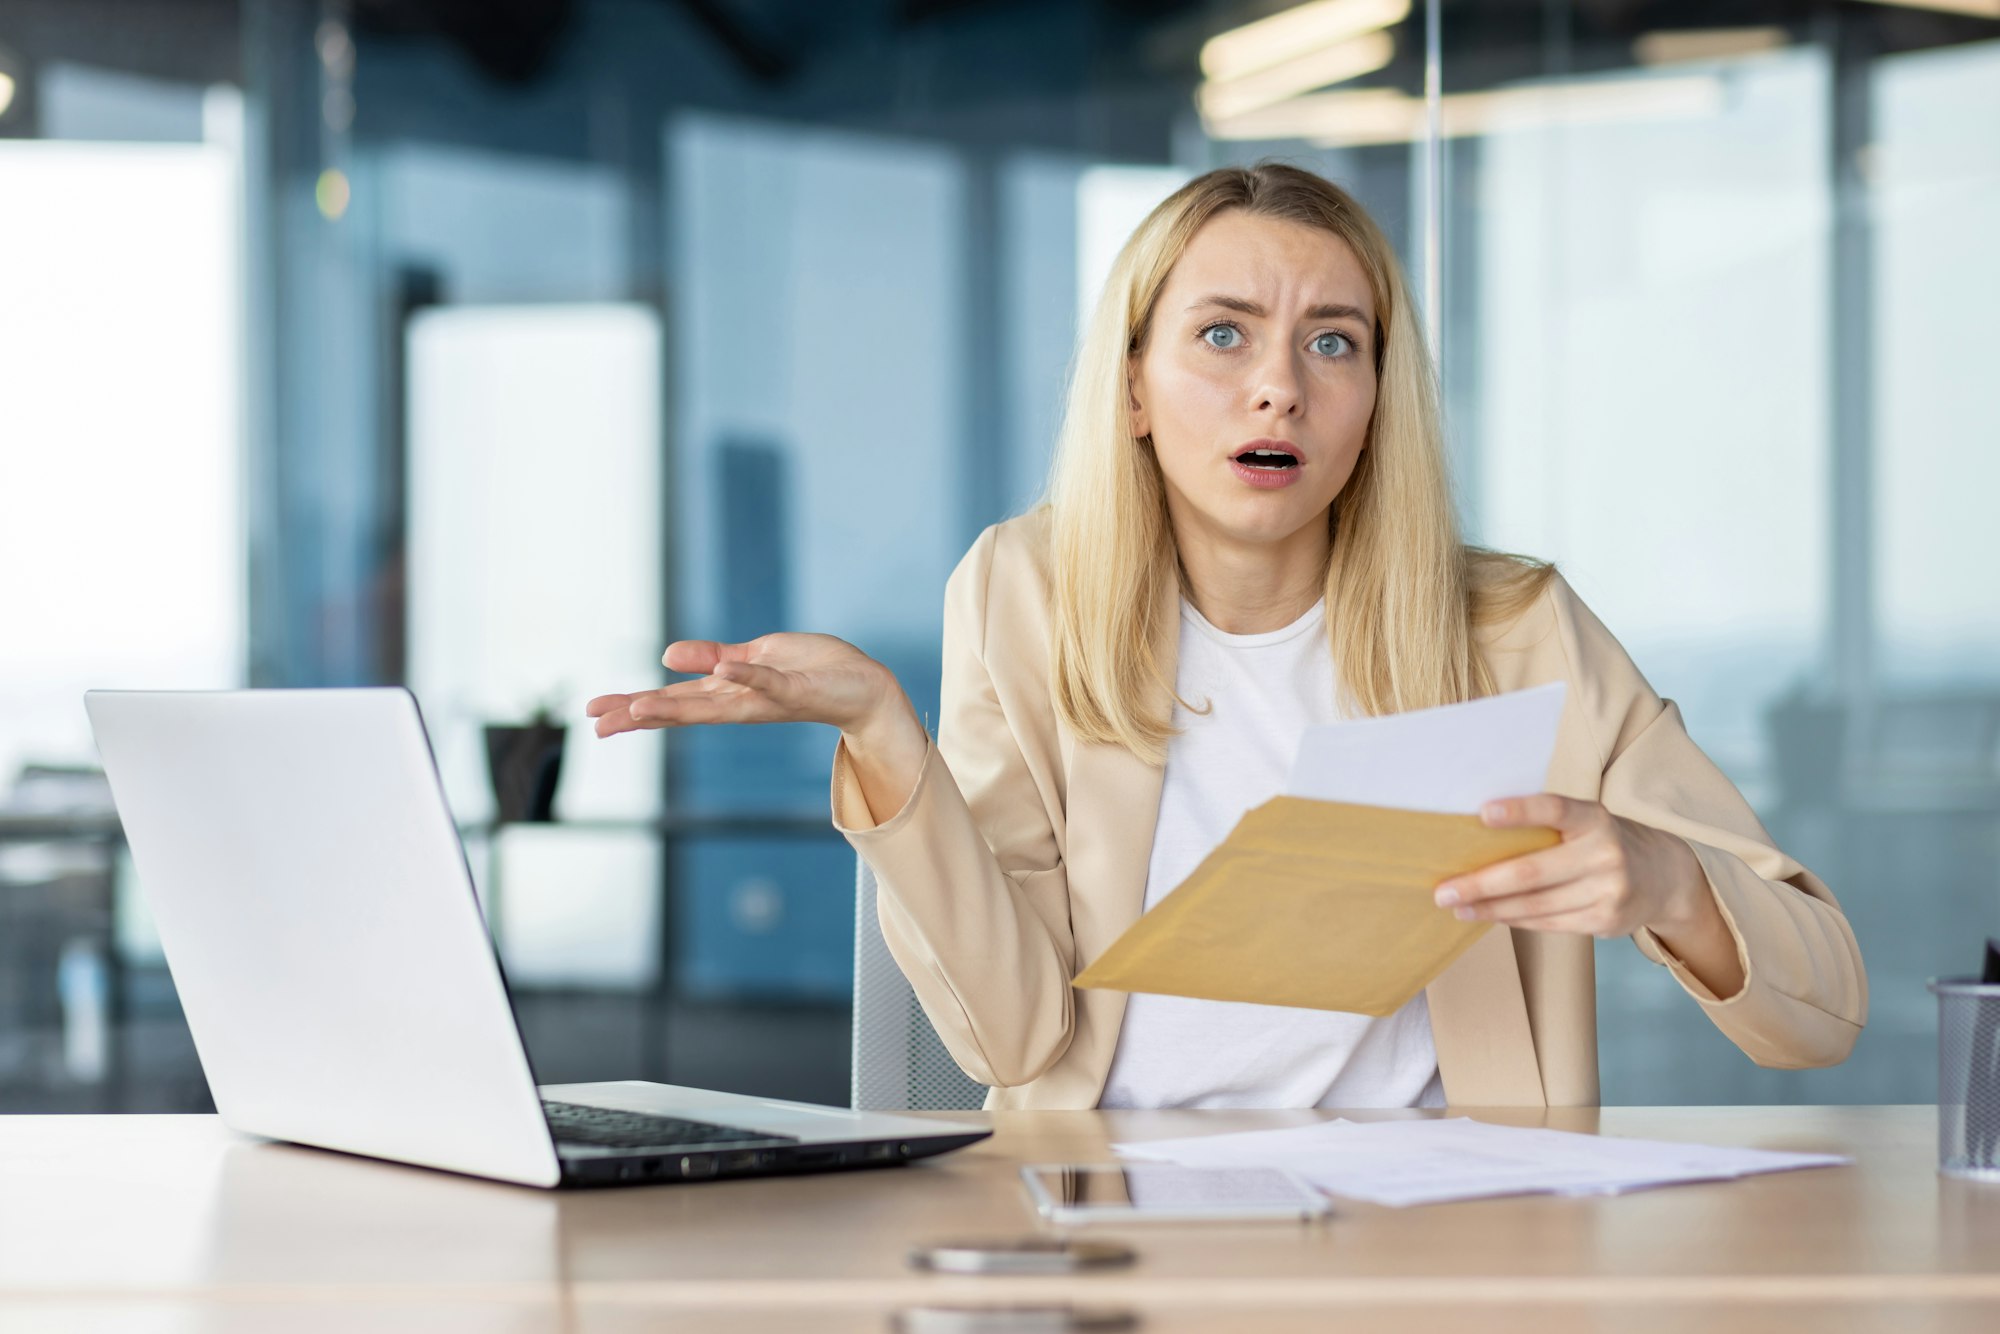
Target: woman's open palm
{"points": [[777, 678]]}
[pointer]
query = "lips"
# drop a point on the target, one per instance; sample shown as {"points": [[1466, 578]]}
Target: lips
{"points": [[1268, 465], [1277, 455]]}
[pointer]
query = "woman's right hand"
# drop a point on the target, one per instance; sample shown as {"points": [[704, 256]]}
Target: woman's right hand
{"points": [[781, 678], [787, 678]]}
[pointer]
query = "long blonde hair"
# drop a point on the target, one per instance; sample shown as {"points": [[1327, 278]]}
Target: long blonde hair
{"points": [[1403, 592]]}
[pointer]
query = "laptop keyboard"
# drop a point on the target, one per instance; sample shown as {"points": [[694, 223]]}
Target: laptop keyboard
{"points": [[610, 1128]]}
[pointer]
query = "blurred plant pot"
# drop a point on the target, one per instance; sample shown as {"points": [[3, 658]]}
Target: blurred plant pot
{"points": [[524, 762]]}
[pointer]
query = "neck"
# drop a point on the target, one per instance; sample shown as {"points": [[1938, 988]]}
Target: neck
{"points": [[1247, 588]]}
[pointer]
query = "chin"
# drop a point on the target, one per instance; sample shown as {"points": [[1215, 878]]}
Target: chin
{"points": [[1271, 518]]}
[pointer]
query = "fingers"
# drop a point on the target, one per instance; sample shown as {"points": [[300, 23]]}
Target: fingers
{"points": [[1533, 907], [1543, 897], [728, 690], [627, 713], [1545, 810], [699, 656], [1580, 885], [691, 655], [614, 720], [1558, 865], [767, 681], [736, 706], [736, 692]]}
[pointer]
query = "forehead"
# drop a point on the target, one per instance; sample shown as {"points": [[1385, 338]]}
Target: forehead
{"points": [[1270, 261]]}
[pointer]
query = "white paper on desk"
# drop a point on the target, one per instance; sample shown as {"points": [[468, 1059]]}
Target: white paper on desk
{"points": [[1430, 1161], [1454, 758]]}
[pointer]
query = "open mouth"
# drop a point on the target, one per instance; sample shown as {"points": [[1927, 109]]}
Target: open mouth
{"points": [[1274, 459]]}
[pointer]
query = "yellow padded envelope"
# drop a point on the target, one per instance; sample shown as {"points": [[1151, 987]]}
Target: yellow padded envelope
{"points": [[1319, 904]]}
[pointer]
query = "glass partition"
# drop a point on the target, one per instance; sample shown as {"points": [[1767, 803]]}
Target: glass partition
{"points": [[359, 352], [1710, 350]]}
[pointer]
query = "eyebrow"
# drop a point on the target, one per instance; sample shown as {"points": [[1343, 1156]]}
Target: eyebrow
{"points": [[1324, 312]]}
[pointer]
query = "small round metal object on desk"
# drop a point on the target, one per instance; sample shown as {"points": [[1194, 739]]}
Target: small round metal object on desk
{"points": [[1049, 1319], [1032, 1254]]}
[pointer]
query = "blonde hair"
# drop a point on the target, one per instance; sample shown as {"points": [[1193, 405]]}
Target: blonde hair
{"points": [[1403, 592]]}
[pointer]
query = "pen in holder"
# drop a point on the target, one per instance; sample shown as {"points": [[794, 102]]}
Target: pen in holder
{"points": [[1969, 1073]]}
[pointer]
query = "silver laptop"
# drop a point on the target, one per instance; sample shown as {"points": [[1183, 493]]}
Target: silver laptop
{"points": [[318, 916]]}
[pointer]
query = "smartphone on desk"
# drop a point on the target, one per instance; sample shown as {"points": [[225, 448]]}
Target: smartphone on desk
{"points": [[1141, 1192]]}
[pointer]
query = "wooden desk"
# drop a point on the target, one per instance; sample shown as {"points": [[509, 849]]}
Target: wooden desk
{"points": [[172, 1223]]}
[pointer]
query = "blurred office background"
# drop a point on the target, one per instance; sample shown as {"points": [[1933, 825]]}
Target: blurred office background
{"points": [[488, 347]]}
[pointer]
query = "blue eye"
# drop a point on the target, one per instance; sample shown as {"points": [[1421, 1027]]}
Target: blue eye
{"points": [[1341, 343], [1222, 335]]}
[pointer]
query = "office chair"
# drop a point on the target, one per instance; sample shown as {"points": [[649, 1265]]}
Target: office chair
{"points": [[900, 1064]]}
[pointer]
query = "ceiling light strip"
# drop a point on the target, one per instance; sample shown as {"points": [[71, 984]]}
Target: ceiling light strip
{"points": [[1295, 32], [1386, 116], [1316, 69]]}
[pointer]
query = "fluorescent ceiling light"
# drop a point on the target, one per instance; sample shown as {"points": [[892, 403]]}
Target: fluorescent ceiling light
{"points": [[1673, 47], [1370, 116], [1316, 69], [6, 93], [1386, 116], [1979, 9], [1295, 32]]}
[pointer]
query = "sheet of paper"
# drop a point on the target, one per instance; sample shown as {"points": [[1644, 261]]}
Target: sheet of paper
{"points": [[1453, 758], [1429, 1161]]}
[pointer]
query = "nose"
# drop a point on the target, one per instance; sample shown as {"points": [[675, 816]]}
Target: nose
{"points": [[1276, 386]]}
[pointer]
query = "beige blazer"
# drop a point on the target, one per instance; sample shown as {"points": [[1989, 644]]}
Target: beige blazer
{"points": [[1022, 854]]}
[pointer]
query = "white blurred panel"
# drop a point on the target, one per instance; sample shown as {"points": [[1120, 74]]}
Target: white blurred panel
{"points": [[1937, 417], [534, 438], [121, 526], [1111, 202], [578, 907]]}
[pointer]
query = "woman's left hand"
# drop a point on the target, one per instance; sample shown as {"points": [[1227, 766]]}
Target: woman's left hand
{"points": [[1608, 877]]}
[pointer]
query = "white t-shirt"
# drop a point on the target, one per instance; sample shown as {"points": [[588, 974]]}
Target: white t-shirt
{"points": [[1264, 691]]}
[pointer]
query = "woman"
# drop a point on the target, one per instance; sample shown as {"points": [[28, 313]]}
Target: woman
{"points": [[1248, 531]]}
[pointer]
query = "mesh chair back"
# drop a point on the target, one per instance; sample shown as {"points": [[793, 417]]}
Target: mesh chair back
{"points": [[899, 1062]]}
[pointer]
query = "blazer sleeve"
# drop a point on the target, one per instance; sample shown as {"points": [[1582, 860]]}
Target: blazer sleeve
{"points": [[1805, 995], [970, 884]]}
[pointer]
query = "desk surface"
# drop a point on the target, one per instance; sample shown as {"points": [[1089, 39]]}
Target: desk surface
{"points": [[152, 1223]]}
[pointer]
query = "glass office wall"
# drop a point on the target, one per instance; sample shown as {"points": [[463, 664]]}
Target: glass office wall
{"points": [[1709, 303], [1933, 168], [1711, 346], [1916, 820], [1640, 377], [820, 332]]}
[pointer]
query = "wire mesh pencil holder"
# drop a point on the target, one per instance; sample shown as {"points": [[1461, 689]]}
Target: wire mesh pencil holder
{"points": [[1968, 1078]]}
